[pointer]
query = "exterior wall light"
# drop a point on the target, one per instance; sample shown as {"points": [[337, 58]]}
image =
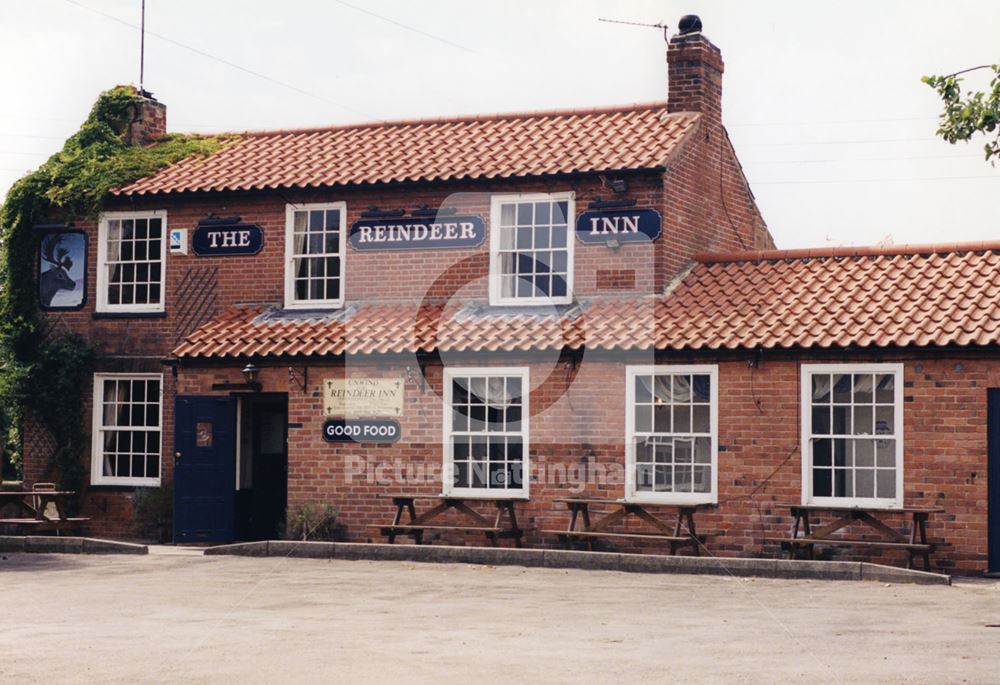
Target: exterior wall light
{"points": [[250, 374]]}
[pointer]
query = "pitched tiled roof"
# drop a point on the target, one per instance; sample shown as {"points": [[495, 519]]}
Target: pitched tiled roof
{"points": [[867, 297], [397, 328], [925, 296], [497, 146]]}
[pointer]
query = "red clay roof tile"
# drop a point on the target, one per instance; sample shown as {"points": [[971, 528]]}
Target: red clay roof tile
{"points": [[520, 144], [921, 296]]}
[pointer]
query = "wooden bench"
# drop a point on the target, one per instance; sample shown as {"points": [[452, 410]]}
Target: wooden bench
{"points": [[35, 503], [416, 525], [621, 510], [805, 537]]}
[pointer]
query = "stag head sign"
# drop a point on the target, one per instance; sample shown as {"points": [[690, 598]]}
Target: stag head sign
{"points": [[62, 269]]}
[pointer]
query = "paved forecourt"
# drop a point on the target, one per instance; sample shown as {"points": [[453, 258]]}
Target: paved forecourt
{"points": [[183, 616]]}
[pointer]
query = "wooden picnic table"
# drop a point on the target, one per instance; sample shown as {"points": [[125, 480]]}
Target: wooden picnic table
{"points": [[415, 525], [621, 510], [35, 503], [804, 535]]}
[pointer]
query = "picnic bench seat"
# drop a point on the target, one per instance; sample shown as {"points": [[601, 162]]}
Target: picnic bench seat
{"points": [[580, 508], [416, 525], [44, 506], [805, 535]]}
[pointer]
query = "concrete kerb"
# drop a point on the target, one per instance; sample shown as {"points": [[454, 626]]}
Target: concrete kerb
{"points": [[44, 544], [604, 561]]}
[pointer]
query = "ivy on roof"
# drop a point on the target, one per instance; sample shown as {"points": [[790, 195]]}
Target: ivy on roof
{"points": [[43, 374]]}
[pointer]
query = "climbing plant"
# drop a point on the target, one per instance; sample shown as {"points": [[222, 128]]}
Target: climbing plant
{"points": [[43, 374]]}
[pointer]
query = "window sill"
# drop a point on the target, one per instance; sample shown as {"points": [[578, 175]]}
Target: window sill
{"points": [[120, 488], [853, 503], [700, 501], [129, 315]]}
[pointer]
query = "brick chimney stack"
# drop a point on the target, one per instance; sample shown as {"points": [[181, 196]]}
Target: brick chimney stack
{"points": [[149, 122], [694, 67]]}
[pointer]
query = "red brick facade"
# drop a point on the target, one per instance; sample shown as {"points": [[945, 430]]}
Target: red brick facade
{"points": [[578, 414]]}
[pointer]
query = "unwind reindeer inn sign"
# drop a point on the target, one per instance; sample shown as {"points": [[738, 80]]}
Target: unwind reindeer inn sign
{"points": [[346, 400]]}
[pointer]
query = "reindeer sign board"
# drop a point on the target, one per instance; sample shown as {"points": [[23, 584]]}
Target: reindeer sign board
{"points": [[62, 270]]}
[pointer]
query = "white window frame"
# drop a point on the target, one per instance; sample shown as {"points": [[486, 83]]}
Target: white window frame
{"points": [[806, 372], [290, 301], [97, 476], [495, 291], [631, 495], [448, 487], [102, 257]]}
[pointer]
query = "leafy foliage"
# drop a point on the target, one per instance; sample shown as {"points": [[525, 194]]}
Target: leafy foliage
{"points": [[314, 522], [43, 375], [971, 114], [153, 512]]}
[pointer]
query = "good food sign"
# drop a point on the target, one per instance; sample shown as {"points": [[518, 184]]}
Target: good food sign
{"points": [[361, 430]]}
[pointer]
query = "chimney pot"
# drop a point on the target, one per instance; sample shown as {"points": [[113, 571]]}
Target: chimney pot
{"points": [[689, 23]]}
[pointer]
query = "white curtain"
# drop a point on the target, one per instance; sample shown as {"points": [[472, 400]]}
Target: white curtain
{"points": [[114, 250]]}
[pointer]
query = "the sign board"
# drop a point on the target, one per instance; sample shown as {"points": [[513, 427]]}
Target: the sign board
{"points": [[355, 397], [418, 233], [597, 227], [361, 430], [214, 240], [178, 241]]}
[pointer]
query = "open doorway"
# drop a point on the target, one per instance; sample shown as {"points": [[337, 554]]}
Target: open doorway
{"points": [[262, 467]]}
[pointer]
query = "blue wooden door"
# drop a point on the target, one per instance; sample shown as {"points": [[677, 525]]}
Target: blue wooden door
{"points": [[204, 469], [993, 478]]}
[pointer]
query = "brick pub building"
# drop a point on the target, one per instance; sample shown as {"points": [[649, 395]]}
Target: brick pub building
{"points": [[542, 304]]}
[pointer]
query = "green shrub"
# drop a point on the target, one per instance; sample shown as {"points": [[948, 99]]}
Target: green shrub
{"points": [[153, 510], [313, 522]]}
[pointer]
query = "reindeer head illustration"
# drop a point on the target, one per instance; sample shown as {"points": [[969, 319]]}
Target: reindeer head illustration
{"points": [[56, 277]]}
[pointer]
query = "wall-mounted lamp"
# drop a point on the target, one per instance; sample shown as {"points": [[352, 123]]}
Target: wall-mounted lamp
{"points": [[250, 380], [304, 382], [250, 374], [619, 185]]}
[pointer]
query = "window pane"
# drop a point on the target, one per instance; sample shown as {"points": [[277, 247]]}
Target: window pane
{"points": [[863, 388], [863, 417], [701, 418], [885, 391], [886, 483], [821, 420], [885, 423], [823, 453], [885, 453], [864, 482], [821, 389], [841, 388], [864, 453]]}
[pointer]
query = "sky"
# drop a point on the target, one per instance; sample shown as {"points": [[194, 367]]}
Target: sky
{"points": [[823, 100]]}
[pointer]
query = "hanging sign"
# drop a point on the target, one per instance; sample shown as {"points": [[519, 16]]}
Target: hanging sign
{"points": [[212, 239], [361, 430], [363, 397], [597, 227], [418, 233]]}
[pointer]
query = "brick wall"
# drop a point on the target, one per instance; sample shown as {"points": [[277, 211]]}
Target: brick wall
{"points": [[577, 429]]}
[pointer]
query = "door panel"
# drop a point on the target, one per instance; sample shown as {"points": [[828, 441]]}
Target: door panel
{"points": [[993, 478], [204, 468]]}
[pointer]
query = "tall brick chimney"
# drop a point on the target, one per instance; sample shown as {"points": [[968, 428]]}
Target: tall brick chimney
{"points": [[694, 68], [149, 121]]}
